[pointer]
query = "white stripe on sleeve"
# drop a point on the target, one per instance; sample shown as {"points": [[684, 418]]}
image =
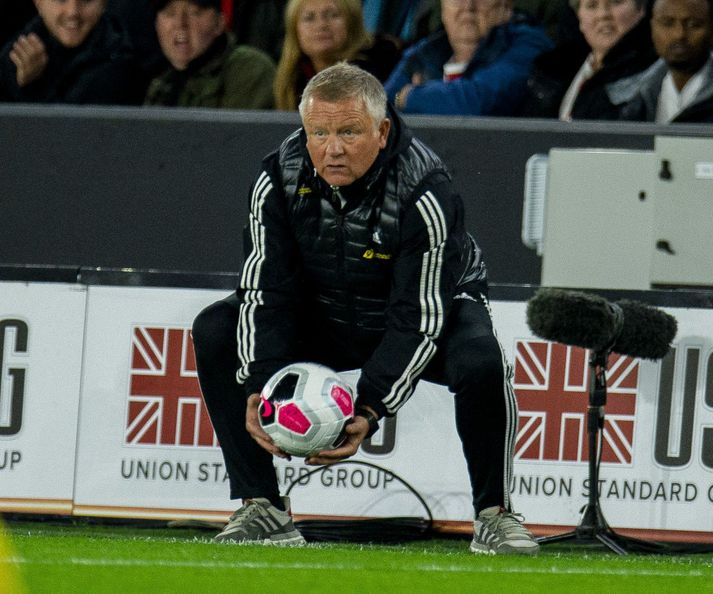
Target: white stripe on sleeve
{"points": [[250, 277]]}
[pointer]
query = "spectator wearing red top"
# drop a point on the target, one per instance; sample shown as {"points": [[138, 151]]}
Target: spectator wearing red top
{"points": [[477, 66]]}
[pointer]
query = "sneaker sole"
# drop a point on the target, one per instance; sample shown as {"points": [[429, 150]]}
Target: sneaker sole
{"points": [[481, 550], [486, 550], [288, 541]]}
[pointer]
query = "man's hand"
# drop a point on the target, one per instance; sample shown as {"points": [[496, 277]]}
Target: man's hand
{"points": [[400, 101], [252, 424], [356, 433], [30, 57]]}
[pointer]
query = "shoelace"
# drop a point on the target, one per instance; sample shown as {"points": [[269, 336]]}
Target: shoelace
{"points": [[250, 508], [511, 523]]}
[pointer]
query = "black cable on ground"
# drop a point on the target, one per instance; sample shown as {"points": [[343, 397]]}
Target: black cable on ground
{"points": [[374, 530]]}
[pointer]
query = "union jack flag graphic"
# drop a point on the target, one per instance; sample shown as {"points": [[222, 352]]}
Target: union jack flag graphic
{"points": [[552, 387], [165, 406]]}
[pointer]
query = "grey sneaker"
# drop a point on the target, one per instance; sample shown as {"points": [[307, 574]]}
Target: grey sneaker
{"points": [[258, 521], [496, 531]]}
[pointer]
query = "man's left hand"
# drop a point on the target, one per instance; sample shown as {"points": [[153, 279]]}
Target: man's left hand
{"points": [[356, 433]]}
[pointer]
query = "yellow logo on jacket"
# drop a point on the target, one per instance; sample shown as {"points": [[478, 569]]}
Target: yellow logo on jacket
{"points": [[370, 254]]}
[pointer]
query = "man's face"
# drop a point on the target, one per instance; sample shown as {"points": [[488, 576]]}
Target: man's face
{"points": [[460, 21], [186, 30], [468, 21], [604, 22], [70, 21], [343, 140], [682, 32]]}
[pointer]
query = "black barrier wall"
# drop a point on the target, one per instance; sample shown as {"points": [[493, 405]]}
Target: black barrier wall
{"points": [[168, 189]]}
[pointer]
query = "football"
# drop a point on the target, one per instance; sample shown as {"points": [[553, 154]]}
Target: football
{"points": [[305, 407]]}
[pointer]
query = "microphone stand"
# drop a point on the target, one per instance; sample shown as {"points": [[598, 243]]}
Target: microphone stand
{"points": [[592, 527]]}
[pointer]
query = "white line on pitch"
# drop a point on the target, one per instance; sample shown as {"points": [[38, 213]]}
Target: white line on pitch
{"points": [[552, 570]]}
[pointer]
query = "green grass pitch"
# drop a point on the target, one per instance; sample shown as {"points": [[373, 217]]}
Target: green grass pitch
{"points": [[87, 558]]}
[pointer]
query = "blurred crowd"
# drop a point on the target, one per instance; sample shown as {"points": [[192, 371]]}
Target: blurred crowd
{"points": [[639, 60]]}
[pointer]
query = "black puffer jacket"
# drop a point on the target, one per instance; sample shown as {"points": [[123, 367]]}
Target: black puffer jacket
{"points": [[554, 71], [103, 70], [367, 283]]}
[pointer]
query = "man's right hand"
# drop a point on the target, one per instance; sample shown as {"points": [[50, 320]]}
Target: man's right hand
{"points": [[252, 424], [30, 57]]}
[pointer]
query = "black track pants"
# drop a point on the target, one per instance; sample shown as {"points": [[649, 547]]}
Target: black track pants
{"points": [[469, 361]]}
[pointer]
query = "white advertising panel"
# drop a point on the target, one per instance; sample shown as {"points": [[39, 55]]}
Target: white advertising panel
{"points": [[657, 447], [146, 447], [41, 335]]}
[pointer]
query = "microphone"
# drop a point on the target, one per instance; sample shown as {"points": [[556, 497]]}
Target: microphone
{"points": [[590, 321]]}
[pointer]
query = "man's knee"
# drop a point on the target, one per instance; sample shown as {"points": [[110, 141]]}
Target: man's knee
{"points": [[474, 369], [214, 326]]}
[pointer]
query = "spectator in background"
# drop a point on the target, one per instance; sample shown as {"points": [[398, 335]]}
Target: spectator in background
{"points": [[320, 33], [207, 68], [72, 52], [556, 16], [572, 81], [679, 86], [478, 65]]}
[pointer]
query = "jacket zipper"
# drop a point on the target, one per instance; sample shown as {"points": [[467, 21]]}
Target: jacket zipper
{"points": [[341, 253]]}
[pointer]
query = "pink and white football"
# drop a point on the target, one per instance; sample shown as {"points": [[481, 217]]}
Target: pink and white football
{"points": [[305, 407]]}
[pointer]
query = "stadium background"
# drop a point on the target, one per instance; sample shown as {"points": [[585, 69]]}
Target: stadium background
{"points": [[134, 191]]}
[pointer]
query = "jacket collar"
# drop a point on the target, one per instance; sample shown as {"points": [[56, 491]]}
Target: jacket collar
{"points": [[438, 49], [648, 85]]}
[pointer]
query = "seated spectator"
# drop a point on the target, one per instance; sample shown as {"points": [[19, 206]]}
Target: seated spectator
{"points": [[679, 86], [478, 65], [72, 52], [320, 33], [571, 81], [207, 68]]}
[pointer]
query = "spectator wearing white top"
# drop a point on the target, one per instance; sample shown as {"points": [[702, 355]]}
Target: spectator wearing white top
{"points": [[679, 86]]}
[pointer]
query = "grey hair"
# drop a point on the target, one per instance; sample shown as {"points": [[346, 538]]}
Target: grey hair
{"points": [[639, 4], [345, 81]]}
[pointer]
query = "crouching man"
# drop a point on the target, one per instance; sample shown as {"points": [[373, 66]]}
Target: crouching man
{"points": [[351, 183]]}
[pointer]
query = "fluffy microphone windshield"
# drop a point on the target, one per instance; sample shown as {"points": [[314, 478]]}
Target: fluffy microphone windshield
{"points": [[648, 332], [592, 322]]}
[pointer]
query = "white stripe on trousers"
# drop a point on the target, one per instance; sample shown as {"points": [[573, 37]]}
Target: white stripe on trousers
{"points": [[511, 415]]}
